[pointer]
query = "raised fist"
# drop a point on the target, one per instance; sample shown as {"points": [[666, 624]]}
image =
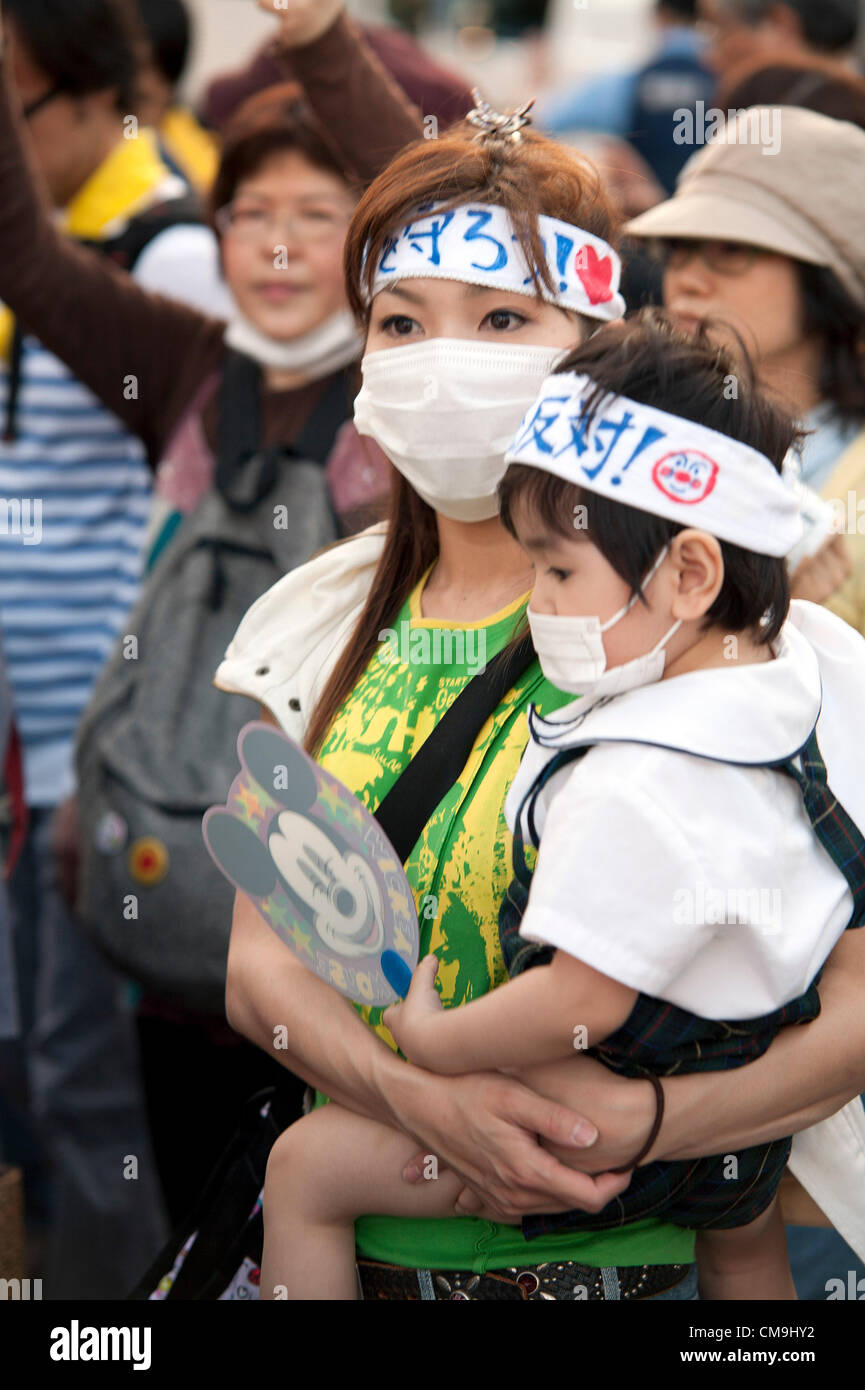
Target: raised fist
{"points": [[302, 21]]}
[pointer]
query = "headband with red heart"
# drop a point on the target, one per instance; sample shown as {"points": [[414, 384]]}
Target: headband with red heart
{"points": [[476, 244]]}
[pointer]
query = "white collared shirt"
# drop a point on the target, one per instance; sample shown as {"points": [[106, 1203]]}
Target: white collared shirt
{"points": [[695, 880]]}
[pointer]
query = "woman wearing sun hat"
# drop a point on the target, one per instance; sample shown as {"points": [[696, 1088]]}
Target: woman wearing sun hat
{"points": [[773, 244], [764, 236]]}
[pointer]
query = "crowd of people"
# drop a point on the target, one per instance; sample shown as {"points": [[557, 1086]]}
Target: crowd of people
{"points": [[345, 352]]}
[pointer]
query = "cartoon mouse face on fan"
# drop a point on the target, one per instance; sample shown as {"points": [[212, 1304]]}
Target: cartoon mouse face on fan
{"points": [[320, 869], [339, 888], [334, 887]]}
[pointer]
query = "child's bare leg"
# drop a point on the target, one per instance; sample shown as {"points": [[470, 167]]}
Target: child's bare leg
{"points": [[323, 1173], [749, 1262]]}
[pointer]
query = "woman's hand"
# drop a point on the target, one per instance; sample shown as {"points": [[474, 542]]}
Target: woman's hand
{"points": [[485, 1127], [821, 575], [302, 21], [414, 1022]]}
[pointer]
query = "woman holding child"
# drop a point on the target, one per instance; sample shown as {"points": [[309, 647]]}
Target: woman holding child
{"points": [[451, 312]]}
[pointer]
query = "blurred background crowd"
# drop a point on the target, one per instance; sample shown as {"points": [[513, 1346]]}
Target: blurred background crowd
{"points": [[120, 401]]}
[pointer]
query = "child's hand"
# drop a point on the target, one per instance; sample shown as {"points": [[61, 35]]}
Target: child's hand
{"points": [[413, 1023]]}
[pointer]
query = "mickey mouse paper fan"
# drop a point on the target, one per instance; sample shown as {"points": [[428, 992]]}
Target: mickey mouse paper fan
{"points": [[318, 867]]}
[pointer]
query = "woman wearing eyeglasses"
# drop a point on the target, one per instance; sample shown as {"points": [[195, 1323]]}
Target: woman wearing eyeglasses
{"points": [[767, 243], [283, 199], [281, 203]]}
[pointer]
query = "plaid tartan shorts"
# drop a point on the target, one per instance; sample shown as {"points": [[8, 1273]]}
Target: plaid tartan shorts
{"points": [[659, 1039], [720, 1192]]}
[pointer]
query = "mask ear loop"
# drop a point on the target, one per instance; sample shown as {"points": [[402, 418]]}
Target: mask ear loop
{"points": [[641, 593], [678, 623]]}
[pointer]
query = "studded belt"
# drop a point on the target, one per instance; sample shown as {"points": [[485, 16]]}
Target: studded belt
{"points": [[552, 1282]]}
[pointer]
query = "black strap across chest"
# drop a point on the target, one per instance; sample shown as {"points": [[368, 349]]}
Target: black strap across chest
{"points": [[436, 766]]}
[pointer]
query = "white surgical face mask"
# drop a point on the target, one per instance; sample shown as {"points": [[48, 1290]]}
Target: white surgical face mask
{"points": [[445, 411], [571, 650]]}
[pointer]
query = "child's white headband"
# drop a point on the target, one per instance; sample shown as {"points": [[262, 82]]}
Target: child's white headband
{"points": [[475, 243], [659, 463]]}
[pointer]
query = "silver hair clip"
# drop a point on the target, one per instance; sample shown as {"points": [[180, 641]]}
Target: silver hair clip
{"points": [[494, 123]]}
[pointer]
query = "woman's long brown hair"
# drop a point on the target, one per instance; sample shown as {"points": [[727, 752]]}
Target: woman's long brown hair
{"points": [[532, 177]]}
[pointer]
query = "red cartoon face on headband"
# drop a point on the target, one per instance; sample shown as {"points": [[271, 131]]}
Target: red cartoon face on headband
{"points": [[685, 476]]}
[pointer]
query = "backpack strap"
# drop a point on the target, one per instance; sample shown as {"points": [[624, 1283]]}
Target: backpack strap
{"points": [[441, 758], [245, 472], [126, 248], [317, 438], [835, 829], [837, 832], [528, 804]]}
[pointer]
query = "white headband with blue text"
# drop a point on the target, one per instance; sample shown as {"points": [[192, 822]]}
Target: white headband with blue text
{"points": [[476, 244], [658, 463]]}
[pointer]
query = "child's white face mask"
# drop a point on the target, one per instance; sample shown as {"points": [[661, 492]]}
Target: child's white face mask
{"points": [[444, 411], [571, 650]]}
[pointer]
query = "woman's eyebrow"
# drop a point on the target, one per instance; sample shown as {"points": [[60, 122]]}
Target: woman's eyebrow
{"points": [[474, 291], [403, 293]]}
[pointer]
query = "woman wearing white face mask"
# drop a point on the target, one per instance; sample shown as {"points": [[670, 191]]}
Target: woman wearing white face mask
{"points": [[636, 439], [322, 628], [386, 631]]}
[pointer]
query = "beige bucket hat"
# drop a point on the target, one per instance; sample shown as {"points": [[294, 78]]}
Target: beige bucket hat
{"points": [[802, 195]]}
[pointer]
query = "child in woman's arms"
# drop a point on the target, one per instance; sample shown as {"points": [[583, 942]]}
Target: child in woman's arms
{"points": [[694, 868]]}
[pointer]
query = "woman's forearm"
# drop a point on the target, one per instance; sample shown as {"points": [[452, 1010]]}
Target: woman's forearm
{"points": [[808, 1073], [144, 356], [483, 1127], [275, 1002], [355, 98]]}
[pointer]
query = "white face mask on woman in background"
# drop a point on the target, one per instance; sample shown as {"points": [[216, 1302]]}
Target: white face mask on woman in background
{"points": [[444, 411]]}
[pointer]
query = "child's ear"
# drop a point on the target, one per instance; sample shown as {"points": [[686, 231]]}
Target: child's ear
{"points": [[698, 569]]}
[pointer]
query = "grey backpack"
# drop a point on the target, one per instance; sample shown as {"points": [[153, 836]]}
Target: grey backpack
{"points": [[157, 743]]}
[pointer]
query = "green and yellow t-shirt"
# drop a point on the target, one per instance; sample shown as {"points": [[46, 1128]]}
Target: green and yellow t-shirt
{"points": [[459, 871]]}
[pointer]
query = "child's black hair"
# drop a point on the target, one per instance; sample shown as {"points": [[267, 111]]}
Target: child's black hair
{"points": [[646, 359]]}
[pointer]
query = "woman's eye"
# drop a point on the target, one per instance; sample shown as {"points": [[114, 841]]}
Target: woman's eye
{"points": [[561, 575], [400, 325], [503, 320]]}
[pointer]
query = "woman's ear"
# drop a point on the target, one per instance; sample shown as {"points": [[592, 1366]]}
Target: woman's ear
{"points": [[698, 574]]}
